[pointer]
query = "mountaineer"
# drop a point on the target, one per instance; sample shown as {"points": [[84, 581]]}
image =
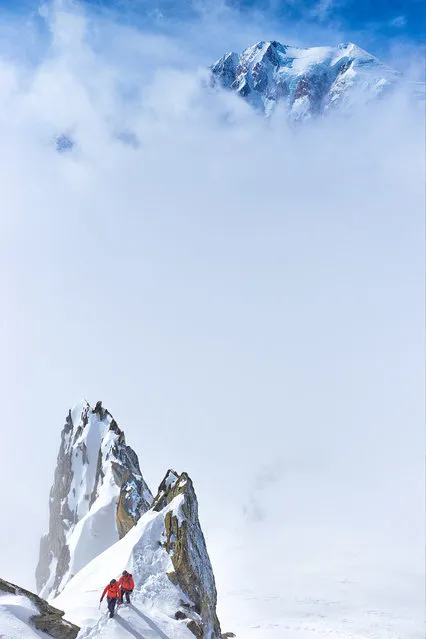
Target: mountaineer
{"points": [[112, 591], [127, 585]]}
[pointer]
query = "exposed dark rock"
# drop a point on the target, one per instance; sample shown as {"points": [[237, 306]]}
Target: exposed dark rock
{"points": [[280, 91], [49, 620], [196, 629], [99, 409], [260, 77], [225, 70], [180, 615], [302, 89], [345, 67], [271, 54], [315, 89], [53, 545], [244, 90], [163, 497], [185, 543]]}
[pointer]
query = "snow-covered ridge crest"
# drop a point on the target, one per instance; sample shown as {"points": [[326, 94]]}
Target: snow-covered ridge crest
{"points": [[175, 593], [97, 496], [306, 82], [23, 614]]}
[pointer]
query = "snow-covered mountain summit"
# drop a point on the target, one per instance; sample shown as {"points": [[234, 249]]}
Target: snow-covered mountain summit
{"points": [[305, 81], [103, 519], [97, 496]]}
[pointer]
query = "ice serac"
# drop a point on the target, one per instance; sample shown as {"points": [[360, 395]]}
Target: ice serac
{"points": [[97, 496], [175, 592], [25, 615], [306, 82]]}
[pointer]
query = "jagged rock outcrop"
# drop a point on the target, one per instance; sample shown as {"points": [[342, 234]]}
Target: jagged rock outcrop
{"points": [[45, 618], [175, 591], [103, 519], [306, 82], [184, 542], [97, 496]]}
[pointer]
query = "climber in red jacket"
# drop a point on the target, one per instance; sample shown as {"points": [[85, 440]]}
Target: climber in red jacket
{"points": [[127, 585], [112, 591]]}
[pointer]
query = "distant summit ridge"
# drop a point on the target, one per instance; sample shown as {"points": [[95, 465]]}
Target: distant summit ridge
{"points": [[305, 82]]}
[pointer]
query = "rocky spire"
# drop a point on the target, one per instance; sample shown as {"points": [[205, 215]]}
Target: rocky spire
{"points": [[184, 541], [98, 495]]}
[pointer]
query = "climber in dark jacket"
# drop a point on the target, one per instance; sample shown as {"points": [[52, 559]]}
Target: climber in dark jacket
{"points": [[112, 591]]}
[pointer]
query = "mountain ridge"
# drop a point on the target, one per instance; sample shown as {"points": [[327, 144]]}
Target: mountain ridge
{"points": [[103, 519], [304, 82], [27, 613]]}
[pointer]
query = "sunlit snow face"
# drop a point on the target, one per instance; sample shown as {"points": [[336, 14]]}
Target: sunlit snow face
{"points": [[243, 296]]}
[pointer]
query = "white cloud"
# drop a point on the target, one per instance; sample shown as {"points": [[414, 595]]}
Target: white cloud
{"points": [[399, 21], [323, 8], [233, 290]]}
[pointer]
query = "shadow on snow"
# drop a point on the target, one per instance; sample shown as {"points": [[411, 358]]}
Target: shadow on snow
{"points": [[149, 623], [129, 628]]}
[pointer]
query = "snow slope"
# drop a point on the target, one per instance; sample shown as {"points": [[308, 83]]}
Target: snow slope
{"points": [[23, 615], [15, 615], [155, 596], [305, 82], [145, 552], [97, 496]]}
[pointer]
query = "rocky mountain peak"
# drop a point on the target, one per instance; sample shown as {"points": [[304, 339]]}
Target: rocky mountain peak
{"points": [[184, 542], [103, 519], [98, 495], [305, 82]]}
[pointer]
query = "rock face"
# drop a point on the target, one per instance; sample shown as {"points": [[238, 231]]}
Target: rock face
{"points": [[97, 496], [306, 82], [184, 542], [103, 519], [175, 592], [45, 619]]}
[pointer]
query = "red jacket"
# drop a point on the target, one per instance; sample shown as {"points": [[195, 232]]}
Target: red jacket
{"points": [[113, 592], [126, 582]]}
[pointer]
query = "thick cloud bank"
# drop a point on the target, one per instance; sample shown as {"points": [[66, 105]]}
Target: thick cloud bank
{"points": [[245, 296]]}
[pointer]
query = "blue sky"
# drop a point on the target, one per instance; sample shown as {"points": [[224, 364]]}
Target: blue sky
{"points": [[382, 18], [385, 28]]}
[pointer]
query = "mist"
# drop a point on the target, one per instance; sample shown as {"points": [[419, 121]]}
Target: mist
{"points": [[245, 297]]}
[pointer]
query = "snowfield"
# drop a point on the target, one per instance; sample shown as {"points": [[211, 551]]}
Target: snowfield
{"points": [[15, 614], [301, 587]]}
